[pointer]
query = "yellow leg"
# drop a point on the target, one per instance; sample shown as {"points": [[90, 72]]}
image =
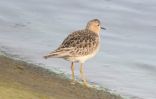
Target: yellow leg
{"points": [[82, 75], [72, 70]]}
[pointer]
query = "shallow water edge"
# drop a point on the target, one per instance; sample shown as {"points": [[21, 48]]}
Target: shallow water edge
{"points": [[31, 80]]}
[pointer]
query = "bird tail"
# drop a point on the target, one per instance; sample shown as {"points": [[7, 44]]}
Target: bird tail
{"points": [[57, 54], [47, 56]]}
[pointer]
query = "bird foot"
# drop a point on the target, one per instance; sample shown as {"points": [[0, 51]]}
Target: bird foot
{"points": [[85, 84], [73, 82]]}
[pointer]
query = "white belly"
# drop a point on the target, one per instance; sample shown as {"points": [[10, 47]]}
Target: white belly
{"points": [[82, 59]]}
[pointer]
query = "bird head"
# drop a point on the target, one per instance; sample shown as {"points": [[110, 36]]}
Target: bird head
{"points": [[94, 25]]}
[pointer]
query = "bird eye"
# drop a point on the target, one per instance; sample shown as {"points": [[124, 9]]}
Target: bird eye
{"points": [[98, 25]]}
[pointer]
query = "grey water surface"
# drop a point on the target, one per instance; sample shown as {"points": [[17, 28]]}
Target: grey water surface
{"points": [[126, 62]]}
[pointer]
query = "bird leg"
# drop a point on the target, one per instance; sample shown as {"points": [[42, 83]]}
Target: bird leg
{"points": [[72, 69], [82, 75]]}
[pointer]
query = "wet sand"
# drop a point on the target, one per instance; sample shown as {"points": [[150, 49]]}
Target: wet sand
{"points": [[21, 80]]}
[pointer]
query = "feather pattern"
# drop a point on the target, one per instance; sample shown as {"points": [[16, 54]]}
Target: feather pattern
{"points": [[78, 43]]}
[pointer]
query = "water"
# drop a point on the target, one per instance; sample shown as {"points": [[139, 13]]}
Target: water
{"points": [[126, 62]]}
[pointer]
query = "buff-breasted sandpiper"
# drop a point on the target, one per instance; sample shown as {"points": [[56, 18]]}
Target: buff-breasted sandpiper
{"points": [[80, 46]]}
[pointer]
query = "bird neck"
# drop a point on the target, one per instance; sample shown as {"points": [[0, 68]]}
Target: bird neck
{"points": [[97, 31]]}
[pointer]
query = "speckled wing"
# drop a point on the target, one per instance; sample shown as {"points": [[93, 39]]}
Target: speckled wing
{"points": [[78, 43]]}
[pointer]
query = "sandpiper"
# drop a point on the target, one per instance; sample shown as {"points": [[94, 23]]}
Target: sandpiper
{"points": [[80, 46]]}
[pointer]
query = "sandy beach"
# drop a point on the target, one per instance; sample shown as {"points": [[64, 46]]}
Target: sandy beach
{"points": [[20, 80]]}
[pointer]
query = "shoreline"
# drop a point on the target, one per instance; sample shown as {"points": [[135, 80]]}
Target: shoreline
{"points": [[28, 81]]}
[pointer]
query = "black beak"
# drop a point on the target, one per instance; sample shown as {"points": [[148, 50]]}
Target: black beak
{"points": [[103, 28]]}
